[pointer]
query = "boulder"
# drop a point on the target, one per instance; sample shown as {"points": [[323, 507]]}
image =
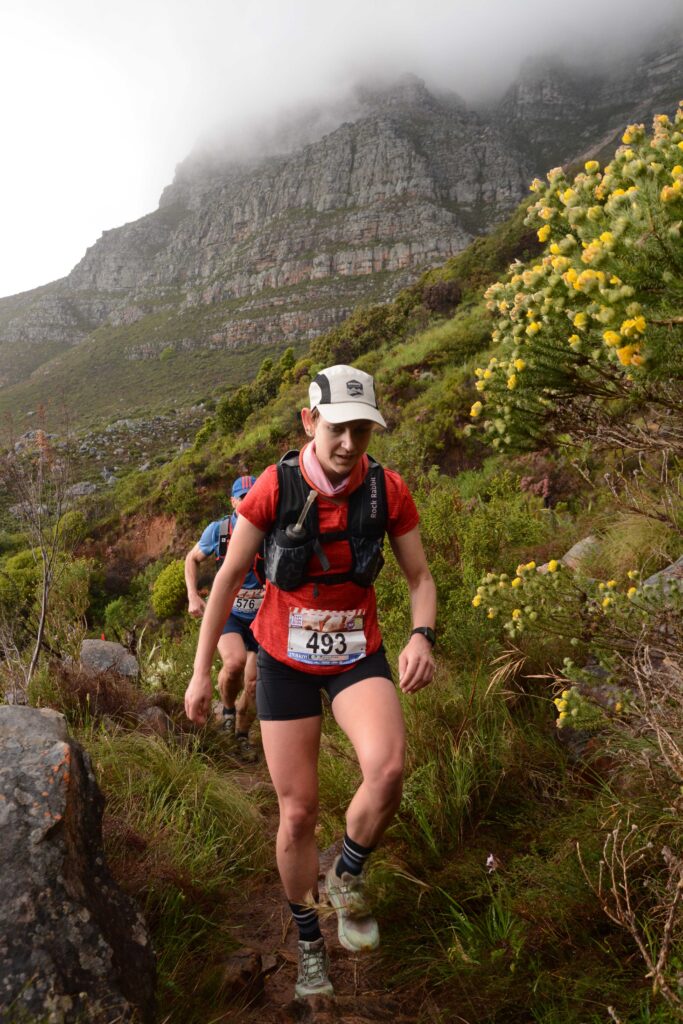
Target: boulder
{"points": [[574, 557], [73, 947], [105, 656], [672, 575], [240, 977], [582, 549], [155, 720], [81, 489]]}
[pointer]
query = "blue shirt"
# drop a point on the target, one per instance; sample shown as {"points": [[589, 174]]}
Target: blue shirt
{"points": [[208, 545]]}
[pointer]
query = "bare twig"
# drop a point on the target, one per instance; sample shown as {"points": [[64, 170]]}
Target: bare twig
{"points": [[623, 852]]}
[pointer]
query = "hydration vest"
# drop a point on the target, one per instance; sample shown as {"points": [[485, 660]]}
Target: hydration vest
{"points": [[287, 557], [225, 531], [224, 535]]}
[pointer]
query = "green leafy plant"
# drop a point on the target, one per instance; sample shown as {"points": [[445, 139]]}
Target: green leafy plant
{"points": [[168, 591]]}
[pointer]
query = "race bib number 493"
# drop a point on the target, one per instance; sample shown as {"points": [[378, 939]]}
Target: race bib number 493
{"points": [[326, 637]]}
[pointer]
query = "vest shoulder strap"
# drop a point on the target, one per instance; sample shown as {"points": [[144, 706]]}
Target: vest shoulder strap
{"points": [[292, 494], [368, 509], [224, 535]]}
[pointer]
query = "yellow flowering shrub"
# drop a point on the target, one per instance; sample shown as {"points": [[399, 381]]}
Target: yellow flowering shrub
{"points": [[603, 621], [600, 315]]}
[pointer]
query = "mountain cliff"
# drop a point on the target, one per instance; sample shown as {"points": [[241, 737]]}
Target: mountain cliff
{"points": [[250, 252]]}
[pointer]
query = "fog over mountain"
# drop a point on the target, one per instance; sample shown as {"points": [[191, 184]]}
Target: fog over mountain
{"points": [[273, 237], [104, 100]]}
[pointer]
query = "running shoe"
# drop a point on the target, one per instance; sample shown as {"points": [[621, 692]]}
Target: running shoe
{"points": [[356, 927], [314, 966], [246, 751]]}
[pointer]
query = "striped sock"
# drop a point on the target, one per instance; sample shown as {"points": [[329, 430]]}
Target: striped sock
{"points": [[353, 856], [306, 919]]}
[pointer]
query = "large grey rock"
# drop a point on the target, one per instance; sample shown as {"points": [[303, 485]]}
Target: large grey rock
{"points": [[106, 656], [582, 549], [80, 490], [672, 574], [574, 557], [73, 947]]}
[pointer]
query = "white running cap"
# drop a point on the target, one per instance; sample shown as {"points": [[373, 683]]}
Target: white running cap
{"points": [[342, 393]]}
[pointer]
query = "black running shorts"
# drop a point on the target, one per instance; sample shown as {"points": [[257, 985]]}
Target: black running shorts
{"points": [[240, 626], [284, 693]]}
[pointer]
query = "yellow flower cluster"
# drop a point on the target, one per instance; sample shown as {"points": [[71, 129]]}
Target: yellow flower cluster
{"points": [[562, 705], [500, 591], [570, 704], [628, 354], [531, 594], [634, 133], [631, 328], [598, 248], [673, 191], [576, 305]]}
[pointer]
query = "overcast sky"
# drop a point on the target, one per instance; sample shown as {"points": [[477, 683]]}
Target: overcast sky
{"points": [[101, 100]]}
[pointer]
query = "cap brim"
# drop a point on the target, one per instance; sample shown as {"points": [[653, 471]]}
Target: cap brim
{"points": [[345, 412]]}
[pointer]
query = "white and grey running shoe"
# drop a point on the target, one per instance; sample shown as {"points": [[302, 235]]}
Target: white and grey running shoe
{"points": [[356, 927], [314, 965]]}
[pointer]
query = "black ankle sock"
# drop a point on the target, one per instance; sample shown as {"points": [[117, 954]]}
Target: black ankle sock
{"points": [[353, 857], [306, 920], [229, 712], [241, 735]]}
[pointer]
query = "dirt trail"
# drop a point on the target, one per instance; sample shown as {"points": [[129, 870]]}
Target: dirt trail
{"points": [[262, 923]]}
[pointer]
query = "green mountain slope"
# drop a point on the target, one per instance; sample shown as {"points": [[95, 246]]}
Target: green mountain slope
{"points": [[542, 798], [276, 248]]}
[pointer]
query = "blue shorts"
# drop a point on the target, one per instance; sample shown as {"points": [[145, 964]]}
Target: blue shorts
{"points": [[243, 627], [284, 692]]}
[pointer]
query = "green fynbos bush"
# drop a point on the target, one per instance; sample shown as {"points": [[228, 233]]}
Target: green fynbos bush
{"points": [[168, 592]]}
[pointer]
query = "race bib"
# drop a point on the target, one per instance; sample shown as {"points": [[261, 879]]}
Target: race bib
{"points": [[325, 637], [248, 601]]}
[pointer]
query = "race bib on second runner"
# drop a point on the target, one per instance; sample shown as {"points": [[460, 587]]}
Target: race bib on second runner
{"points": [[248, 601], [325, 637]]}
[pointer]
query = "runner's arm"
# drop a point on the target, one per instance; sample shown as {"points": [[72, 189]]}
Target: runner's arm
{"points": [[245, 541], [195, 603], [415, 662]]}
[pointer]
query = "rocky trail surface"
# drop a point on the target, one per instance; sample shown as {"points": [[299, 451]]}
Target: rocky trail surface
{"points": [[265, 967]]}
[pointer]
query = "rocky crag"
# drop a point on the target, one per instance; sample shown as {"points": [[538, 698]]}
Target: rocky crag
{"points": [[73, 947], [246, 253]]}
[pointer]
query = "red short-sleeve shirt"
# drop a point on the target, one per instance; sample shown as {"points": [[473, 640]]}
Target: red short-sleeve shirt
{"points": [[275, 626]]}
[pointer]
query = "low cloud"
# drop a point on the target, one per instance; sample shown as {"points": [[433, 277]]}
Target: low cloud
{"points": [[103, 100]]}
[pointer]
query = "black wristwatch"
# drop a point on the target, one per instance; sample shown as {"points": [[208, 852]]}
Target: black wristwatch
{"points": [[426, 631]]}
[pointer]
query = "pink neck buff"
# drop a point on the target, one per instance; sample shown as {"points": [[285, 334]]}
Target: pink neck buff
{"points": [[315, 474]]}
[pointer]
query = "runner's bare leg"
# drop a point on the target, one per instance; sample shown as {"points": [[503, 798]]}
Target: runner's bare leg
{"points": [[369, 712], [230, 678], [291, 750]]}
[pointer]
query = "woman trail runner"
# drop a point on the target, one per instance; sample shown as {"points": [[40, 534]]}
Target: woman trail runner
{"points": [[323, 513]]}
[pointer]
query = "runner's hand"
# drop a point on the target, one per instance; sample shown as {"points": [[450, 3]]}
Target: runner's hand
{"points": [[196, 606], [198, 698], [416, 665]]}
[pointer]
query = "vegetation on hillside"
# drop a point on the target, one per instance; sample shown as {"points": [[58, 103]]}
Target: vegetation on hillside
{"points": [[593, 328], [535, 869]]}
